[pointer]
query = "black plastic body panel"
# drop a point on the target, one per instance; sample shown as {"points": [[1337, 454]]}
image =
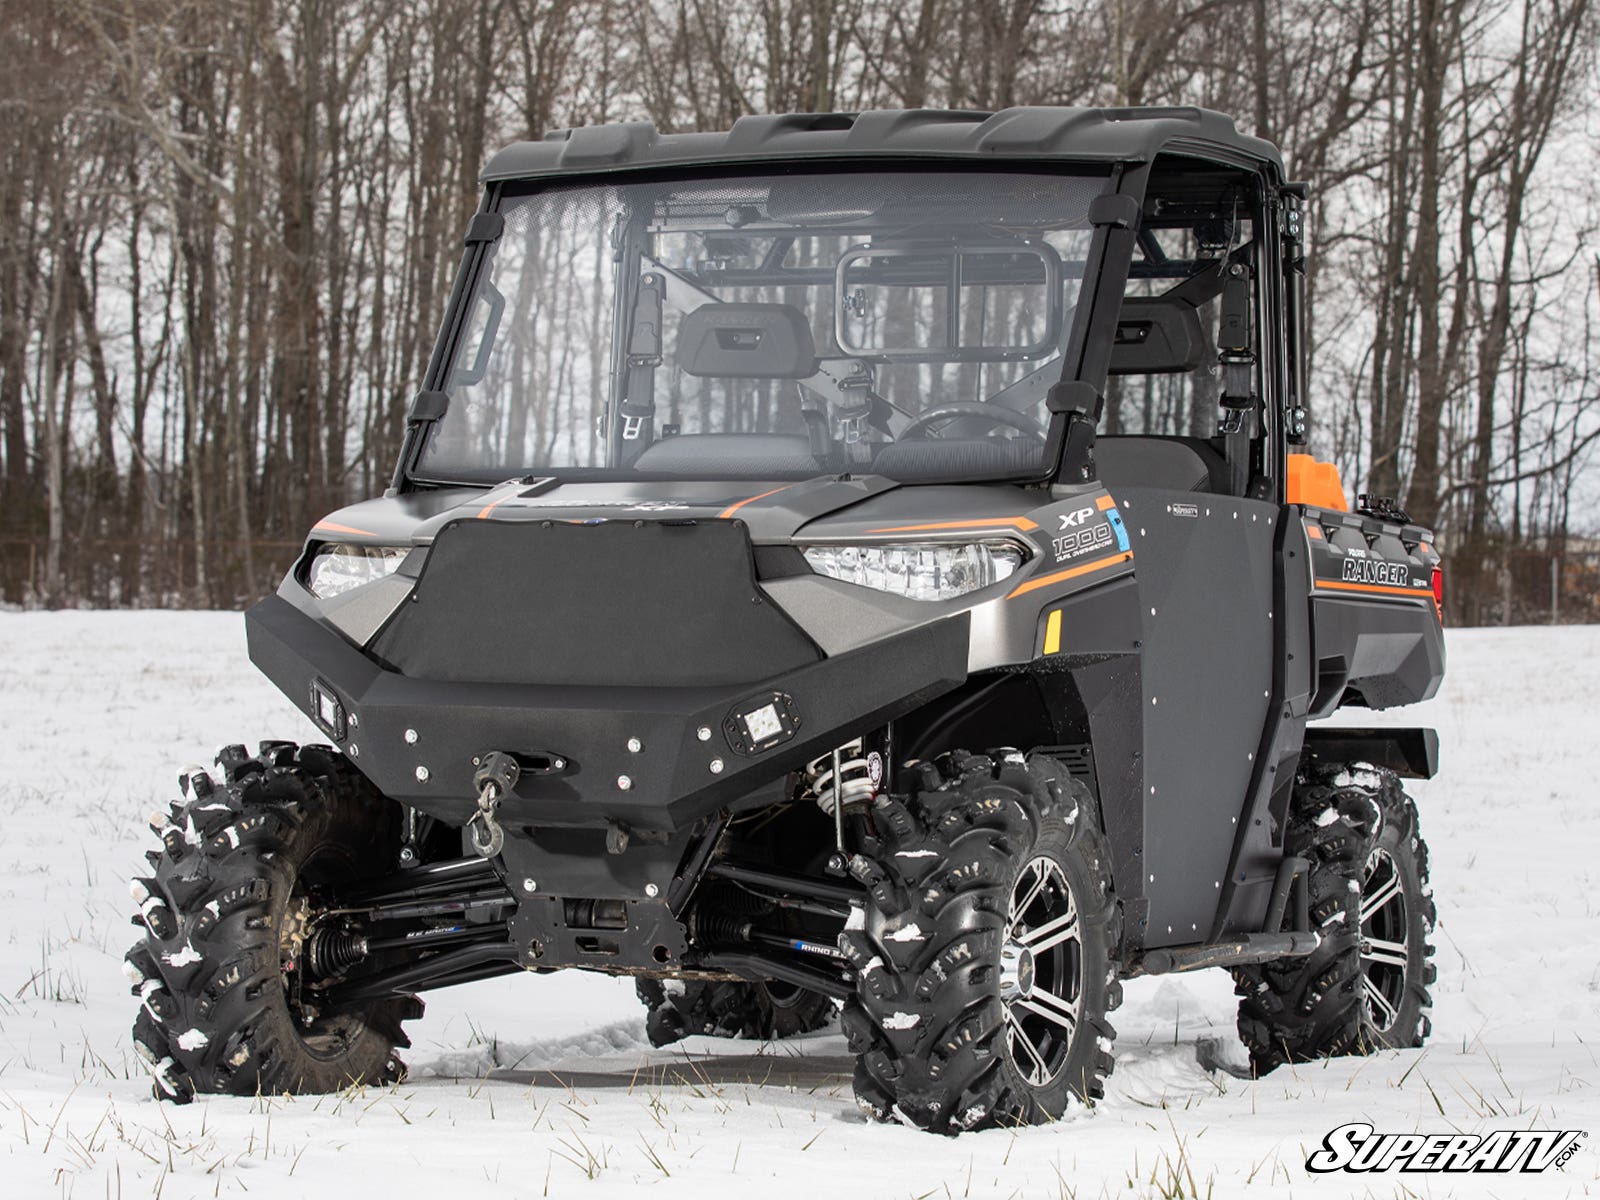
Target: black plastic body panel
{"points": [[673, 779], [1390, 654]]}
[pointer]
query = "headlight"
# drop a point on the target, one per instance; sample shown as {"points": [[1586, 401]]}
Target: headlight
{"points": [[919, 570], [339, 567]]}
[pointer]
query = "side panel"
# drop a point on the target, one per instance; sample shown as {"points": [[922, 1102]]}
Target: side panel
{"points": [[1205, 574], [1375, 652]]}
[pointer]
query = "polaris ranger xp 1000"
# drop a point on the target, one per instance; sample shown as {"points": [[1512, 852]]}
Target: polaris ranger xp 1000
{"points": [[850, 560]]}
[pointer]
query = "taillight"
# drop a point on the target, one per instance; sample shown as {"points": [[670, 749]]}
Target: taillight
{"points": [[1438, 591]]}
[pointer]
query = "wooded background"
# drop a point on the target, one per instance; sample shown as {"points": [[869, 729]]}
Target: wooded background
{"points": [[228, 227]]}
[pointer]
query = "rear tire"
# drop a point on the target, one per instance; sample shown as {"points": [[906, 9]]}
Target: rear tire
{"points": [[984, 956], [680, 1008], [1365, 987], [219, 1009]]}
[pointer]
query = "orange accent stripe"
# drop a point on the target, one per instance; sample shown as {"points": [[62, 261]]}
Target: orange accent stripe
{"points": [[1070, 573], [733, 508], [985, 523], [1105, 502], [1381, 589], [491, 506], [331, 527]]}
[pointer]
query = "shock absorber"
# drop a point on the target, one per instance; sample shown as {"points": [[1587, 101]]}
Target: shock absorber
{"points": [[845, 773]]}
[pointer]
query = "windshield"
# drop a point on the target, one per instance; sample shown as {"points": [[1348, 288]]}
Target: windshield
{"points": [[904, 323]]}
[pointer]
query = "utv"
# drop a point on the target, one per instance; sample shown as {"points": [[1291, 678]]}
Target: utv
{"points": [[852, 558]]}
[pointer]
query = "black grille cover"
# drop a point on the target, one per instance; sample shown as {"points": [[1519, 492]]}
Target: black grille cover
{"points": [[616, 603]]}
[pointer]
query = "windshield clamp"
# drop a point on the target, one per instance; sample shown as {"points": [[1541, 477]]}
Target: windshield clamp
{"points": [[485, 227], [428, 406]]}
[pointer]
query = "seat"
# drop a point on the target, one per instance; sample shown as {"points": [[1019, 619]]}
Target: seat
{"points": [[1178, 464]]}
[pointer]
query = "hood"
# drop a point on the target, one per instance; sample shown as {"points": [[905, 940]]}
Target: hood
{"points": [[774, 512]]}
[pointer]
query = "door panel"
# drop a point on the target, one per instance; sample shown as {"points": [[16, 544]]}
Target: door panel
{"points": [[1204, 566]]}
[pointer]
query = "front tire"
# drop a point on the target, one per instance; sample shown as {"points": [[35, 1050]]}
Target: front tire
{"points": [[984, 954], [215, 971], [1365, 987]]}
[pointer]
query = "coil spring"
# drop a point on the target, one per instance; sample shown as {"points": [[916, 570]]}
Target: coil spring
{"points": [[855, 777]]}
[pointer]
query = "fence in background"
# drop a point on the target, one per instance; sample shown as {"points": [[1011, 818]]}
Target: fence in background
{"points": [[144, 572]]}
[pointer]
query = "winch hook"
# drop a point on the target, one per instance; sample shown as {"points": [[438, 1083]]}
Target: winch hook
{"points": [[497, 774]]}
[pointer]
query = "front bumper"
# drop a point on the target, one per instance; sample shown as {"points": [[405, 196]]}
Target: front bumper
{"points": [[416, 739]]}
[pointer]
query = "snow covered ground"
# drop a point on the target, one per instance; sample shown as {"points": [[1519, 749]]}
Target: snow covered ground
{"points": [[546, 1086]]}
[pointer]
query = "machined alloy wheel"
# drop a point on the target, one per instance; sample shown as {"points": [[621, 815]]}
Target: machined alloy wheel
{"points": [[1041, 972], [1384, 956]]}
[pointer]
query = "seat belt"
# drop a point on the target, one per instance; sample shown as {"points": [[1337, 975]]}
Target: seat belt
{"points": [[638, 406], [1241, 407]]}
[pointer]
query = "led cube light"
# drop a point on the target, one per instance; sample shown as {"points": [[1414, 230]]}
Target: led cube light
{"points": [[763, 723], [759, 723], [327, 710]]}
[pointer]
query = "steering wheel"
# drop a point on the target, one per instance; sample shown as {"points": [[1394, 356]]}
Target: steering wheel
{"points": [[995, 414]]}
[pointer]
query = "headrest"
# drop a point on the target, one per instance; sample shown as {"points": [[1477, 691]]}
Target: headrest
{"points": [[1158, 335], [747, 341]]}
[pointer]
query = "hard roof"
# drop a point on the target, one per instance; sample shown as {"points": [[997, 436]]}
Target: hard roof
{"points": [[1034, 133]]}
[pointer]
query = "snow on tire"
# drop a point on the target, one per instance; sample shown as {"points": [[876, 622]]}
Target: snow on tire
{"points": [[984, 953], [1365, 987], [216, 1003]]}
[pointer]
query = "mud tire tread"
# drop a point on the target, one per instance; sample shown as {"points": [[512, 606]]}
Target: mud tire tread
{"points": [[927, 946], [213, 1014]]}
